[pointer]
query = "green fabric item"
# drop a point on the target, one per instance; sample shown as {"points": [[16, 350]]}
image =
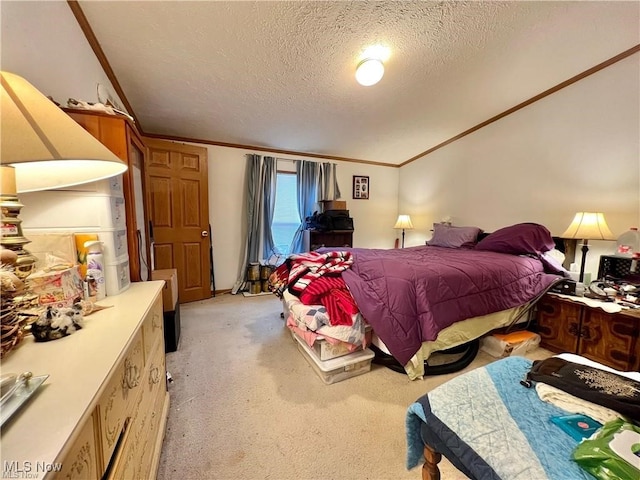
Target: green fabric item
{"points": [[612, 453]]}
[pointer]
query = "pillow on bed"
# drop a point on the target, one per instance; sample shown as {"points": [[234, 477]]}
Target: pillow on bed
{"points": [[518, 239], [453, 237]]}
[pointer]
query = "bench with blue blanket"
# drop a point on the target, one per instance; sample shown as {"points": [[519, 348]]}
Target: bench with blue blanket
{"points": [[490, 427]]}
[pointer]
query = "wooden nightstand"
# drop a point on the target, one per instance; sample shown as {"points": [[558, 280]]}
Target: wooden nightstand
{"points": [[566, 325]]}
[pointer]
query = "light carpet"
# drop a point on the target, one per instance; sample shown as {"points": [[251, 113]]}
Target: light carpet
{"points": [[245, 404]]}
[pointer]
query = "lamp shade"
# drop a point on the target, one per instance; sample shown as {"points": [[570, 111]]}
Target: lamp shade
{"points": [[47, 148], [588, 226], [404, 222]]}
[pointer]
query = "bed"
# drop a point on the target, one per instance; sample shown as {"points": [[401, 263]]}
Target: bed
{"points": [[430, 297], [489, 426]]}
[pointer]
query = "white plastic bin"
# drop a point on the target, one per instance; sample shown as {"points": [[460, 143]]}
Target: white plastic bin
{"points": [[116, 275], [73, 210], [114, 244], [337, 369], [110, 186]]}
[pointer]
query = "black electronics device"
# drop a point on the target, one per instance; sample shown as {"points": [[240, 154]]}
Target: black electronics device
{"points": [[568, 287]]}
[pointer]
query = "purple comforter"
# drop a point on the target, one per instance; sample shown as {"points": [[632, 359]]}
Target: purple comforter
{"points": [[408, 295]]}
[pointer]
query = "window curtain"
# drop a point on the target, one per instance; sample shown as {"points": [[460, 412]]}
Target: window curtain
{"points": [[269, 178], [260, 181], [329, 182], [307, 181]]}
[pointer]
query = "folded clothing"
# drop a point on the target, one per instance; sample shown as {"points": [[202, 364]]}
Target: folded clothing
{"points": [[579, 385]]}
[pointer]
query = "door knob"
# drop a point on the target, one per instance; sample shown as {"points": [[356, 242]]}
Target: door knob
{"points": [[204, 233]]}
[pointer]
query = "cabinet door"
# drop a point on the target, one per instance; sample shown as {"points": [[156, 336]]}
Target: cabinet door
{"points": [[120, 137], [558, 323], [610, 339], [138, 226]]}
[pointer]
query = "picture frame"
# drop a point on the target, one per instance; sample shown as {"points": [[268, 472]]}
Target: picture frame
{"points": [[361, 187]]}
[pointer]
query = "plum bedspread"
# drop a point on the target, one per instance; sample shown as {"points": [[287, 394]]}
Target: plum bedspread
{"points": [[408, 295]]}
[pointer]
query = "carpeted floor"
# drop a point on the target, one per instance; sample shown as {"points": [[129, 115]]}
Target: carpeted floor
{"points": [[245, 404]]}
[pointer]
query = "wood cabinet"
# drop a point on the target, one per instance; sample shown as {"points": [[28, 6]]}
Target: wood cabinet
{"points": [[609, 338], [331, 238], [102, 412], [120, 136]]}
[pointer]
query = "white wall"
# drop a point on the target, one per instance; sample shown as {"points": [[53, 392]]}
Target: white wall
{"points": [[42, 42], [575, 150]]}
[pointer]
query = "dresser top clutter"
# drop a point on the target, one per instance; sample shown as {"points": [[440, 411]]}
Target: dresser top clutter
{"points": [[79, 367]]}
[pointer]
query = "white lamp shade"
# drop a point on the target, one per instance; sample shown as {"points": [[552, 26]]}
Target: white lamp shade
{"points": [[47, 148], [369, 72], [588, 226], [404, 222]]}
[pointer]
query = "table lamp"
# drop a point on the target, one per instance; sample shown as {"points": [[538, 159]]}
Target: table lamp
{"points": [[403, 222], [41, 148], [587, 226]]}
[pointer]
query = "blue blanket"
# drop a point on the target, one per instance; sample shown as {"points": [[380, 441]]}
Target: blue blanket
{"points": [[495, 427]]}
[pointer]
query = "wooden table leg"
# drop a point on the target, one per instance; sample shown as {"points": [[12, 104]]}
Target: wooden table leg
{"points": [[430, 469]]}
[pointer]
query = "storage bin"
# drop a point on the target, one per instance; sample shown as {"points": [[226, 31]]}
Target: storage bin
{"points": [[116, 276], [325, 350], [82, 211], [510, 344], [110, 186], [114, 244], [337, 369]]}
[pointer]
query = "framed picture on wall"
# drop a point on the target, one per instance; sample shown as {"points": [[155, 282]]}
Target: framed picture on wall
{"points": [[360, 187]]}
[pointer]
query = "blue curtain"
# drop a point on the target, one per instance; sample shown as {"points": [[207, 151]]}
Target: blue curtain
{"points": [[307, 180], [269, 178], [260, 191]]}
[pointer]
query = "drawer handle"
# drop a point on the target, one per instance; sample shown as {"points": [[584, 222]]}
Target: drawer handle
{"points": [[154, 376], [573, 329], [131, 378], [153, 322]]}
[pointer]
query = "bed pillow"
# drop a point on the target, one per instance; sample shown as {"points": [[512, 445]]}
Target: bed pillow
{"points": [[453, 237], [518, 239]]}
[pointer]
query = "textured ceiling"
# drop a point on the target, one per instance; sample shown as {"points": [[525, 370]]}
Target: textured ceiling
{"points": [[280, 75]]}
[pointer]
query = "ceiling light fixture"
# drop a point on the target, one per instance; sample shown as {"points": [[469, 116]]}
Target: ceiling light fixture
{"points": [[369, 71]]}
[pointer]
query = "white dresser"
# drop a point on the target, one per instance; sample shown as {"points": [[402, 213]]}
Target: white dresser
{"points": [[102, 412]]}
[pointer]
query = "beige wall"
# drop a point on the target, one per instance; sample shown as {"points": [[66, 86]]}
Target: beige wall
{"points": [[575, 150]]}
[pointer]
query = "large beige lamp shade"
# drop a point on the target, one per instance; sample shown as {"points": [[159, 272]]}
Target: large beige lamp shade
{"points": [[41, 147], [588, 226], [47, 148]]}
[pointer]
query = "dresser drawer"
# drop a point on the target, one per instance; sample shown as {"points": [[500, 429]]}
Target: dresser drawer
{"points": [[81, 462], [133, 461], [119, 396], [152, 328]]}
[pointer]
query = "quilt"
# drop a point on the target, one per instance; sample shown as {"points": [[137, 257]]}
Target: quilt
{"points": [[491, 427]]}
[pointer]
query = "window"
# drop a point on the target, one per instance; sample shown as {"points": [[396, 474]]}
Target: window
{"points": [[286, 219]]}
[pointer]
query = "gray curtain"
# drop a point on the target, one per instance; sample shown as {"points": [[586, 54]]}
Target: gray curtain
{"points": [[269, 178], [253, 190], [307, 181], [329, 182]]}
